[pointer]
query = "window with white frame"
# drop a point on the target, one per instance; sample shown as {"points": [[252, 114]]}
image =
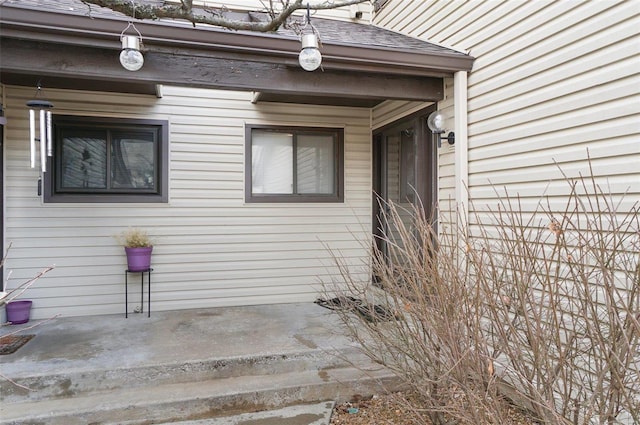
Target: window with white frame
{"points": [[294, 164]]}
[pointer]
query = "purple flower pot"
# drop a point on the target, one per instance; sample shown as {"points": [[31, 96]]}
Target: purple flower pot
{"points": [[138, 259], [18, 312]]}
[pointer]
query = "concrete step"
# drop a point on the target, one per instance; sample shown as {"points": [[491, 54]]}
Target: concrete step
{"points": [[171, 402], [300, 414], [187, 365], [73, 383]]}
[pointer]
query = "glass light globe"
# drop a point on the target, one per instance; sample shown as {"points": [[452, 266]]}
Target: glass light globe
{"points": [[130, 57], [435, 122], [310, 58], [131, 60]]}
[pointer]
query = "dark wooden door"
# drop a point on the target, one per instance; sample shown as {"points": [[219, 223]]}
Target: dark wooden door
{"points": [[404, 173]]}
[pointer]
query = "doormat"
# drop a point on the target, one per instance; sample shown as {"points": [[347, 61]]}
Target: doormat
{"points": [[9, 344], [371, 312]]}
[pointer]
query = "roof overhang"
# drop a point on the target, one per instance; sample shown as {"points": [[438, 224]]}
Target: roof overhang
{"points": [[75, 51]]}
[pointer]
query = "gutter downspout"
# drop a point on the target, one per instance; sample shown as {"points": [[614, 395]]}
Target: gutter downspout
{"points": [[462, 146]]}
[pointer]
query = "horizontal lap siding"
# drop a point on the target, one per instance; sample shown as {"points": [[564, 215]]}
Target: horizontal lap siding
{"points": [[393, 110], [551, 80], [446, 161], [212, 249]]}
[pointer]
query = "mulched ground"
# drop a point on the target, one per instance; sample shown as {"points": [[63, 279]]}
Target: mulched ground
{"points": [[387, 410], [378, 410], [9, 344]]}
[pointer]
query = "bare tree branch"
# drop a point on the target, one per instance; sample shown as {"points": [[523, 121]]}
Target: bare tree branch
{"points": [[18, 331], [8, 296], [278, 12], [15, 383], [35, 325]]}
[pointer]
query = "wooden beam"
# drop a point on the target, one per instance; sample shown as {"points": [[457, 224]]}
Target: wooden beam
{"points": [[316, 100], [30, 58]]}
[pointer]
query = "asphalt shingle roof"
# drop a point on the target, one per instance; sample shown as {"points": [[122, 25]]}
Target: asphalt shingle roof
{"points": [[330, 31]]}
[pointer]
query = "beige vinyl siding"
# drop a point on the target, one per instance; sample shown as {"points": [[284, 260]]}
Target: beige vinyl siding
{"points": [[393, 110], [212, 249], [446, 161], [551, 80]]}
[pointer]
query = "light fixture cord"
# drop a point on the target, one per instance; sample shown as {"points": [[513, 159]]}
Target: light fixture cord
{"points": [[131, 24], [314, 30]]}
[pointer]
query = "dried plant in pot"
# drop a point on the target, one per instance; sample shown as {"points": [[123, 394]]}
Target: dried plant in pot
{"points": [[138, 247]]}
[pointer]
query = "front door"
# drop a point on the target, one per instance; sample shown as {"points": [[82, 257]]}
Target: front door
{"points": [[404, 156]]}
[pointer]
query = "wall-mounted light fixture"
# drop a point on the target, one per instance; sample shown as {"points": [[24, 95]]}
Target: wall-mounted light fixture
{"points": [[309, 58], [43, 108], [436, 122], [131, 57]]}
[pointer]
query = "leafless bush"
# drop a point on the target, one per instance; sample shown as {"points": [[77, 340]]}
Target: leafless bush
{"points": [[7, 295], [540, 308]]}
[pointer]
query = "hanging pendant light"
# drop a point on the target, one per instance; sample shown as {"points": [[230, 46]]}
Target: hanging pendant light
{"points": [[42, 109], [131, 57], [309, 58]]}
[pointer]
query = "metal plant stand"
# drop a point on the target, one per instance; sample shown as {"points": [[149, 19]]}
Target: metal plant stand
{"points": [[126, 291]]}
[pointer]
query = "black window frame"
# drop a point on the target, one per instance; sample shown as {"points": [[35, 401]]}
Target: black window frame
{"points": [[60, 123], [338, 193]]}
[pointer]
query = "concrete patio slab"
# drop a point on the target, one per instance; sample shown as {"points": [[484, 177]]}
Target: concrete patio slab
{"points": [[112, 342], [184, 365]]}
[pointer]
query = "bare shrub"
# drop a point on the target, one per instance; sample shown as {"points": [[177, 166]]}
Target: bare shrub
{"points": [[7, 295], [539, 308]]}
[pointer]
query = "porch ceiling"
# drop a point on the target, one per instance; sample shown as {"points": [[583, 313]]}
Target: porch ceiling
{"points": [[57, 43]]}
